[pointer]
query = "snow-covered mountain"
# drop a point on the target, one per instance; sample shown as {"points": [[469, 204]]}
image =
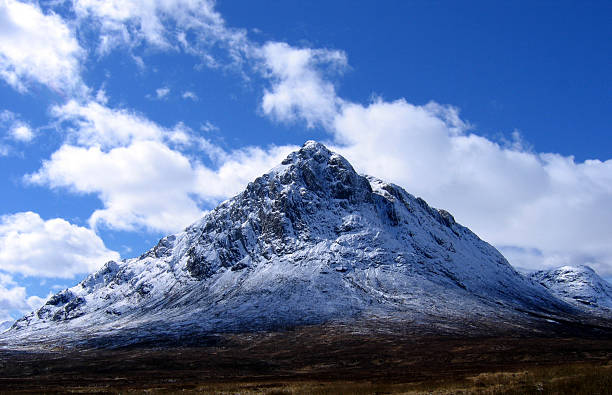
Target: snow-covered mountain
{"points": [[578, 285], [309, 242]]}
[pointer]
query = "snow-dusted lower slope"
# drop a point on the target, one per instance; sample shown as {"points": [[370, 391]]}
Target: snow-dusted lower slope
{"points": [[5, 325], [578, 285], [308, 242]]}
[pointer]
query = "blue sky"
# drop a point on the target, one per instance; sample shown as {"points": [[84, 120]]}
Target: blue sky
{"points": [[123, 121]]}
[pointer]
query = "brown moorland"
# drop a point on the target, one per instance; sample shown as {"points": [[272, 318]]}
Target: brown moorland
{"points": [[323, 360]]}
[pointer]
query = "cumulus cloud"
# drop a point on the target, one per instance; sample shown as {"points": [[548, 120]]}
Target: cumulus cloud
{"points": [[143, 184], [18, 130], [93, 123], [32, 246], [38, 47], [22, 132]]}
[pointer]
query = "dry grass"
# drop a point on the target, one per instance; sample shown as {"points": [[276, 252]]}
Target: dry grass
{"points": [[565, 379], [311, 362]]}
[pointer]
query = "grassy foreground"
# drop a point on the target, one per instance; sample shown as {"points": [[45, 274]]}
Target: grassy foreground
{"points": [[566, 379], [316, 361]]}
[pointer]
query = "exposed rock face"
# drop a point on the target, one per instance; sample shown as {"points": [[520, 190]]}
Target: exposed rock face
{"points": [[579, 286], [309, 242]]}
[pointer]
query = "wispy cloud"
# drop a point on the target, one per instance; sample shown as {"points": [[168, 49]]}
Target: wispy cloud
{"points": [[208, 127], [162, 92], [190, 95], [136, 22]]}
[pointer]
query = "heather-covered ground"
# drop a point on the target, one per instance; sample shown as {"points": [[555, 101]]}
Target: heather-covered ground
{"points": [[316, 360]]}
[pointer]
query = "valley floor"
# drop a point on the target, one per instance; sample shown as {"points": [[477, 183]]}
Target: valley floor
{"points": [[317, 360]]}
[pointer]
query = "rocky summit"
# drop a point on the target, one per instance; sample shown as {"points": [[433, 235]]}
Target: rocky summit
{"points": [[310, 242]]}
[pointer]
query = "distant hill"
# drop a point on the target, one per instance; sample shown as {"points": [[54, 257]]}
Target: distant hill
{"points": [[578, 285]]}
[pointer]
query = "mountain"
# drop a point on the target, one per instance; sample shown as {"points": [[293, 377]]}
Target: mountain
{"points": [[579, 286], [309, 242]]}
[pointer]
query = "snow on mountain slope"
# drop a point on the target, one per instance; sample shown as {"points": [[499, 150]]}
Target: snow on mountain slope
{"points": [[309, 242], [5, 325], [578, 285]]}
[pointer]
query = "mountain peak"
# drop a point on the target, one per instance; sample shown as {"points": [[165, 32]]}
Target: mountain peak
{"points": [[310, 150], [315, 146], [319, 170]]}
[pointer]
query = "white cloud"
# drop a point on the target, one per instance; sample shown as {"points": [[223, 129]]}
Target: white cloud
{"points": [[162, 92], [7, 116], [298, 87], [38, 47], [190, 95], [22, 132], [93, 123], [18, 130], [145, 184], [123, 22], [208, 127], [101, 96], [132, 23], [32, 246], [14, 299]]}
